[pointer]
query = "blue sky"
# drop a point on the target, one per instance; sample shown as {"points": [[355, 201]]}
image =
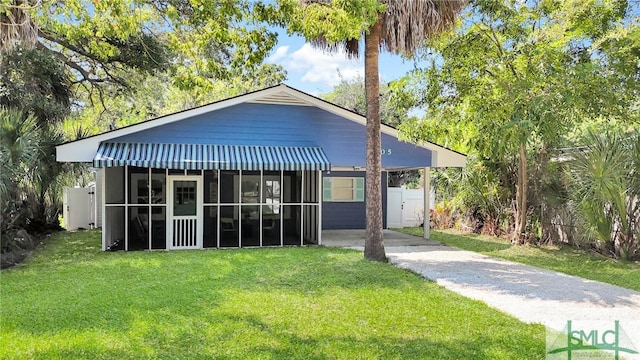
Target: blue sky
{"points": [[314, 71]]}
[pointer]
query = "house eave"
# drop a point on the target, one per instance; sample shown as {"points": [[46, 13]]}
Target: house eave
{"points": [[84, 150]]}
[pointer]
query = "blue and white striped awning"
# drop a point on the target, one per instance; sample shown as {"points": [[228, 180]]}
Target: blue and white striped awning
{"points": [[211, 157]]}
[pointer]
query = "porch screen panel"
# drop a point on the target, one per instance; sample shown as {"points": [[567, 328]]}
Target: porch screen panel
{"points": [[114, 185], [250, 225], [158, 186], [210, 187], [210, 227], [229, 225], [271, 228], [138, 227], [229, 184], [114, 219], [291, 224], [158, 227], [310, 187], [292, 185], [310, 226], [138, 185]]}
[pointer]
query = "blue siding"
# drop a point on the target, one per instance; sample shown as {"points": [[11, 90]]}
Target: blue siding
{"points": [[350, 215], [342, 140]]}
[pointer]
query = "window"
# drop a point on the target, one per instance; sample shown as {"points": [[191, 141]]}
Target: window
{"points": [[184, 193], [271, 192], [343, 189]]}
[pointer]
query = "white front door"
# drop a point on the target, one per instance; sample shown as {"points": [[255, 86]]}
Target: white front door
{"points": [[185, 212]]}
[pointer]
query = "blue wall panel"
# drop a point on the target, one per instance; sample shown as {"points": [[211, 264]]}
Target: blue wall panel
{"points": [[343, 140], [350, 215]]}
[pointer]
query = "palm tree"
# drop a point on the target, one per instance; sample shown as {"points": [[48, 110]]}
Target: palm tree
{"points": [[401, 27], [19, 136], [607, 191], [16, 24]]}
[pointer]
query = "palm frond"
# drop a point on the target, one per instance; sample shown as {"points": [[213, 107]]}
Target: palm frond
{"points": [[407, 23], [351, 47]]}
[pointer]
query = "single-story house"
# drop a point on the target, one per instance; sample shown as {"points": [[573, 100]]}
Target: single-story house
{"points": [[268, 168]]}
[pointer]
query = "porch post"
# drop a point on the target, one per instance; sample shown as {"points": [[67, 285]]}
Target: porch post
{"points": [[104, 208], [126, 208], [427, 203], [320, 198]]}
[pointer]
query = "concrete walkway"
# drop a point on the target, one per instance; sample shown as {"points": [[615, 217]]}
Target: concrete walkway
{"points": [[528, 293], [355, 239]]}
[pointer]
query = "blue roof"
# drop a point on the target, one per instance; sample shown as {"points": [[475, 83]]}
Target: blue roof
{"points": [[211, 157]]}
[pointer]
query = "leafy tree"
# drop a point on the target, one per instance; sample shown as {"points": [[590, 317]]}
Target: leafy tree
{"points": [[395, 104], [518, 76], [36, 83], [100, 42], [396, 26]]}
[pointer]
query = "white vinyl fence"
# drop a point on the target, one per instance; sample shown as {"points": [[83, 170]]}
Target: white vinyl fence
{"points": [[405, 207]]}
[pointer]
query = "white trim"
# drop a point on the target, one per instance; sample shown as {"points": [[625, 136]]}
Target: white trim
{"points": [[302, 207], [104, 208], [126, 208], [281, 208], [219, 223], [260, 190], [149, 214], [239, 208], [320, 201], [426, 212], [199, 208]]}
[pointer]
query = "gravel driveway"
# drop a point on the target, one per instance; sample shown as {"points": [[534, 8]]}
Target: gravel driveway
{"points": [[528, 293]]}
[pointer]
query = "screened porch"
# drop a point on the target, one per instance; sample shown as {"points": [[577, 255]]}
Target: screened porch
{"points": [[152, 209], [270, 200]]}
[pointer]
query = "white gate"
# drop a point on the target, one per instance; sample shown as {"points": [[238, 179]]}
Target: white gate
{"points": [[394, 207], [185, 212], [405, 207], [77, 211]]}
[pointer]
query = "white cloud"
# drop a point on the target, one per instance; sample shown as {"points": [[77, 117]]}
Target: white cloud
{"points": [[311, 65], [280, 53]]}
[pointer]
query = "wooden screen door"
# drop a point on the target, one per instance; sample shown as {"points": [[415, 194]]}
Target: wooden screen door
{"points": [[185, 212]]}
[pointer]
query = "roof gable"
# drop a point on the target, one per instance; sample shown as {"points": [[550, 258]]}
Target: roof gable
{"points": [[275, 98]]}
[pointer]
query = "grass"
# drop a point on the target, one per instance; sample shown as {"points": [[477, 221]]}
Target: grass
{"points": [[70, 300], [566, 259]]}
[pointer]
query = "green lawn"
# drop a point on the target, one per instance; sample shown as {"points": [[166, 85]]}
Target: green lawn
{"points": [[566, 259], [71, 300]]}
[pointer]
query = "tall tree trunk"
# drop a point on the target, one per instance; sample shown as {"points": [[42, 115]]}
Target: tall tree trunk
{"points": [[374, 243], [521, 197]]}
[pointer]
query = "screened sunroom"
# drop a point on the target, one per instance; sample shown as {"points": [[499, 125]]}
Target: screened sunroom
{"points": [[160, 208]]}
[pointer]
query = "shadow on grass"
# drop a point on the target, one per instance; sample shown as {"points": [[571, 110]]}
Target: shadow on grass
{"points": [[73, 301], [250, 337], [72, 292]]}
